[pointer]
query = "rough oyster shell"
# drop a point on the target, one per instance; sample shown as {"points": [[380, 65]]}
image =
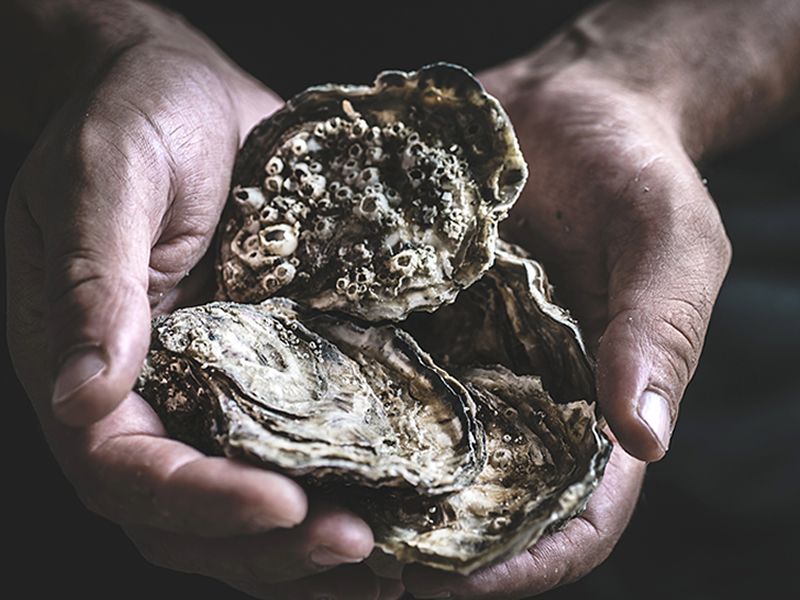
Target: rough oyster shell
{"points": [[522, 358], [509, 318], [380, 201], [373, 200], [264, 382], [544, 461]]}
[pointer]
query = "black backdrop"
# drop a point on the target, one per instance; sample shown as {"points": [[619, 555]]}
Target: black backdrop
{"points": [[717, 518]]}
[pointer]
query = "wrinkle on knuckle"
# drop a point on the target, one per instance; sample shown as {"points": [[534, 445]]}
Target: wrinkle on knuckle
{"points": [[83, 295], [542, 562], [680, 331], [71, 269], [721, 248], [122, 146], [607, 538]]}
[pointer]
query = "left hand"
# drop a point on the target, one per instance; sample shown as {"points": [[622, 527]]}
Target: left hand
{"points": [[627, 232]]}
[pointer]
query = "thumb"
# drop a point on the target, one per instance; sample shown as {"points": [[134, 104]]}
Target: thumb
{"points": [[664, 279], [96, 247]]}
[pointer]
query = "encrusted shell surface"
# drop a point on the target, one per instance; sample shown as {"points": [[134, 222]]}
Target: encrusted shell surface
{"points": [[523, 360], [544, 461], [372, 200], [312, 394]]}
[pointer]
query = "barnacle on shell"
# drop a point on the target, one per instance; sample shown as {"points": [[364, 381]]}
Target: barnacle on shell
{"points": [[373, 200]]}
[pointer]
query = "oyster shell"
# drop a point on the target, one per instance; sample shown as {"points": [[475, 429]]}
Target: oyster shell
{"points": [[544, 461], [265, 382], [509, 318], [522, 358], [372, 200]]}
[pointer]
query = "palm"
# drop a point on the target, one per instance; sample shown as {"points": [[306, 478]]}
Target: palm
{"points": [[591, 193]]}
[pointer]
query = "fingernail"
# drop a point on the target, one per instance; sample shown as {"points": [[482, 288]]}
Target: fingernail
{"points": [[325, 557], [80, 368], [654, 411]]}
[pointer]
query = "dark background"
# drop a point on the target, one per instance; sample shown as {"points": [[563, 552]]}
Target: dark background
{"points": [[718, 517]]}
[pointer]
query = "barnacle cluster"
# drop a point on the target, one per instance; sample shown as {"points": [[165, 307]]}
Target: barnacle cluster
{"points": [[343, 174], [371, 200]]}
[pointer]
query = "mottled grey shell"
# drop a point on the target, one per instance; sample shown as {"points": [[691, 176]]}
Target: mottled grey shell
{"points": [[312, 394], [372, 200], [463, 433], [544, 461], [509, 318], [522, 358]]}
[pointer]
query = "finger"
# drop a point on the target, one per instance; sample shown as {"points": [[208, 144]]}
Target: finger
{"points": [[97, 213], [666, 270], [329, 537], [130, 473], [557, 558], [350, 582]]}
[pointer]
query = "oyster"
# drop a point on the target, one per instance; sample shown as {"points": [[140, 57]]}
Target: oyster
{"points": [[522, 358], [372, 200], [545, 459], [265, 382], [509, 318]]}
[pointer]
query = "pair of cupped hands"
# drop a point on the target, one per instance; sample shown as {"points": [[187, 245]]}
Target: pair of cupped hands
{"points": [[113, 212]]}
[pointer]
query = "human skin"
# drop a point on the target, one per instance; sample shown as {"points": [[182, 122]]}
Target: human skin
{"points": [[612, 114], [121, 193]]}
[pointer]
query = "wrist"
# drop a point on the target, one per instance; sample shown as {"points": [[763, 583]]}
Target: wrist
{"points": [[570, 79], [715, 72]]}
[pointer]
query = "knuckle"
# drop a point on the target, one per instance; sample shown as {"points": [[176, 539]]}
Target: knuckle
{"points": [[71, 269], [705, 231], [606, 540], [120, 129], [724, 248], [679, 330], [121, 147]]}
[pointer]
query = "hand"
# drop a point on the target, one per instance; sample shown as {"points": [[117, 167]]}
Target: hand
{"points": [[629, 235], [116, 204], [635, 247]]}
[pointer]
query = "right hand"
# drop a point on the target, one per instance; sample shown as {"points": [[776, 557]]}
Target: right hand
{"points": [[115, 205]]}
